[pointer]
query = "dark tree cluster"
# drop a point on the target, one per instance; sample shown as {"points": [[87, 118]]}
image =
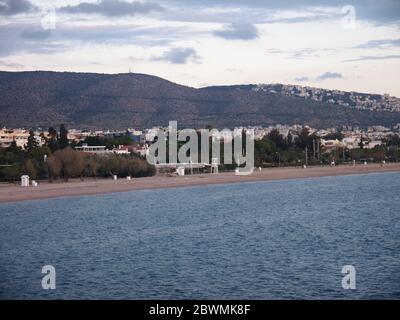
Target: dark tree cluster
{"points": [[56, 159]]}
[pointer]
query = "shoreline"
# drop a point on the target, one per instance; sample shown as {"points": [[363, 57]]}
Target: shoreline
{"points": [[13, 193]]}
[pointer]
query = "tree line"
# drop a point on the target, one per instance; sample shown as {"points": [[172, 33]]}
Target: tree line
{"points": [[56, 159], [303, 146]]}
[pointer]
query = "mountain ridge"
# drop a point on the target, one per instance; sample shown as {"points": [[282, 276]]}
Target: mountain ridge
{"points": [[116, 101]]}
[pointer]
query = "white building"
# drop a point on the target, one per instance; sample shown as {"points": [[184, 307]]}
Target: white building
{"points": [[93, 149], [20, 136]]}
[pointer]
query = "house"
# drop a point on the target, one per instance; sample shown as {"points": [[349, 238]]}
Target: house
{"points": [[101, 150], [332, 144], [142, 150], [7, 136], [93, 149], [121, 150]]}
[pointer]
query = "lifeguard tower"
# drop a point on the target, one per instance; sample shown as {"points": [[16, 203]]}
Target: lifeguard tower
{"points": [[25, 181]]}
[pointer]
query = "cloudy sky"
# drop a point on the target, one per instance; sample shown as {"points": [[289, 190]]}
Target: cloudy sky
{"points": [[352, 45]]}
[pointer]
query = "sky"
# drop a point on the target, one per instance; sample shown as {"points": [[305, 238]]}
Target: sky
{"points": [[352, 46]]}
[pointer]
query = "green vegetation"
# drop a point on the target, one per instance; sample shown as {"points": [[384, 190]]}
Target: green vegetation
{"points": [[57, 160], [274, 150], [303, 147], [108, 142]]}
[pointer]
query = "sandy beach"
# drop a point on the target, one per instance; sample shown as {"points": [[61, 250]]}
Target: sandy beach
{"points": [[45, 190]]}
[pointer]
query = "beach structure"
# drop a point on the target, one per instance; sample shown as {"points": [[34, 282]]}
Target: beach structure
{"points": [[25, 181], [214, 165], [186, 165], [93, 149], [121, 150], [180, 171], [101, 150]]}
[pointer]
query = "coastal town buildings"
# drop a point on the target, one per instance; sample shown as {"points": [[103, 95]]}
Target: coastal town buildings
{"points": [[20, 136], [102, 150], [141, 139], [361, 101]]}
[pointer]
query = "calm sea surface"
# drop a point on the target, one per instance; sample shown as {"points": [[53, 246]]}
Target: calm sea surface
{"points": [[265, 240]]}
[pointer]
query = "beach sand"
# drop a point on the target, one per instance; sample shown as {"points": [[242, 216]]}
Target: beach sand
{"points": [[45, 190]]}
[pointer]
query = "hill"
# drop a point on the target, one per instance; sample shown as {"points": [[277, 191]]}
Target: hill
{"points": [[87, 100]]}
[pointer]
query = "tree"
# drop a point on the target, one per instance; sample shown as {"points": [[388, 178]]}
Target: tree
{"points": [[305, 139], [91, 167], [32, 142], [52, 141], [13, 148], [289, 140], [54, 167], [361, 144], [72, 163], [40, 152], [13, 154], [276, 137], [333, 136], [264, 151], [393, 140], [29, 169], [13, 172], [63, 141]]}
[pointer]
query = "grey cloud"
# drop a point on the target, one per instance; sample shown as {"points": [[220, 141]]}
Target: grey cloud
{"points": [[301, 79], [178, 56], [25, 38], [275, 51], [11, 65], [113, 8], [123, 34], [242, 13], [303, 53], [32, 38], [36, 34], [381, 43], [238, 31], [329, 75], [379, 12], [365, 58], [313, 17], [13, 7]]}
